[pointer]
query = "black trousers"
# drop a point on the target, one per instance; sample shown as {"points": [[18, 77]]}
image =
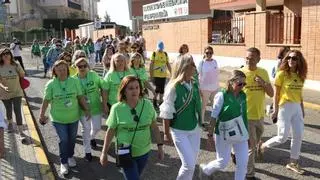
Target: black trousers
{"points": [[19, 58], [16, 103]]}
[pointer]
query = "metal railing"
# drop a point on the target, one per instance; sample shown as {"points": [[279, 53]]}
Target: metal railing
{"points": [[283, 28], [228, 30]]}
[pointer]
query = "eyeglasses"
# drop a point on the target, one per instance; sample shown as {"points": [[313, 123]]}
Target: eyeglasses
{"points": [[135, 116], [81, 56], [209, 53], [82, 66], [58, 45], [242, 84], [293, 58]]}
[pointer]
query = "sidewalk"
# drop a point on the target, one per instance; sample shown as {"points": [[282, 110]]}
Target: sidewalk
{"points": [[21, 161]]}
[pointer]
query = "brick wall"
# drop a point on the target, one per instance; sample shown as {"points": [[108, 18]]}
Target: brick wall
{"points": [[195, 33], [310, 36]]}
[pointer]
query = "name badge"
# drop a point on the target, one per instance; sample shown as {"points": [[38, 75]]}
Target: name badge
{"points": [[68, 103]]}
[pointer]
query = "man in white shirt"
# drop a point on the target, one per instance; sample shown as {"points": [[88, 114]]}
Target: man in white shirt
{"points": [[16, 49]]}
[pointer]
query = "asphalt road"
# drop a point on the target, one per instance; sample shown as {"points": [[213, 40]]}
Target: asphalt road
{"points": [[273, 166]]}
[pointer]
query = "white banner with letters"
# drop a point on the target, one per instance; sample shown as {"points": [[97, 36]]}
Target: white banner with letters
{"points": [[165, 9]]}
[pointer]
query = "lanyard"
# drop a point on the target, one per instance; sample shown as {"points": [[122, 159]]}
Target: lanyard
{"points": [[64, 89]]}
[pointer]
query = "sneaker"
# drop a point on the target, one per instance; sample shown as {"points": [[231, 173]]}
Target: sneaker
{"points": [[295, 167], [64, 169], [88, 157], [72, 162], [233, 157], [93, 143], [203, 175], [23, 138], [10, 128]]}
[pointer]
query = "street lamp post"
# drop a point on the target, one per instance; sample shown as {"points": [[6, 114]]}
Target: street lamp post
{"points": [[6, 27], [61, 21]]}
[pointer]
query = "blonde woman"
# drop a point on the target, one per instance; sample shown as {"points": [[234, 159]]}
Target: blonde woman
{"points": [[118, 70], [229, 104], [181, 111], [137, 67]]}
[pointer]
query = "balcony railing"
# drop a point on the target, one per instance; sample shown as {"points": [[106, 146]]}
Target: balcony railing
{"points": [[283, 28], [228, 30]]}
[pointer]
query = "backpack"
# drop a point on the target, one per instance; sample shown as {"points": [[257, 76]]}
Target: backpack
{"points": [[154, 55]]}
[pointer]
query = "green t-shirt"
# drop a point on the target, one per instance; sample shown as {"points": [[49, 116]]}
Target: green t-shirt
{"points": [[141, 73], [63, 95], [90, 86], [121, 119], [44, 50], [112, 83]]}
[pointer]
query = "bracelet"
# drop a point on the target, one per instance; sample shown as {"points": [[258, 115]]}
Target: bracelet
{"points": [[210, 135], [160, 144]]}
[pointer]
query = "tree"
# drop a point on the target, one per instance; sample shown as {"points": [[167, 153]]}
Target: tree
{"points": [[107, 17]]}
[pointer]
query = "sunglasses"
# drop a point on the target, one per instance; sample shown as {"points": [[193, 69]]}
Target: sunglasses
{"points": [[294, 58], [82, 66], [6, 53], [134, 47], [241, 84], [135, 116], [58, 45], [209, 53], [81, 56]]}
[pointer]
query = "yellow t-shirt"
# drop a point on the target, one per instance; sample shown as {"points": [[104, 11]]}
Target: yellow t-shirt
{"points": [[291, 87], [160, 61], [255, 93]]}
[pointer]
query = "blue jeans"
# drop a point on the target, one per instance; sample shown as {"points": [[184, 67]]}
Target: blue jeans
{"points": [[98, 56], [67, 135], [134, 172]]}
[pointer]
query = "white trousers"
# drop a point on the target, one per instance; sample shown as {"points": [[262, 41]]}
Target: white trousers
{"points": [[89, 130], [205, 95], [187, 144], [223, 150], [289, 116]]}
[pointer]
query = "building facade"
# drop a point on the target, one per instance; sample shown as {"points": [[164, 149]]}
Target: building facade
{"points": [[236, 25]]}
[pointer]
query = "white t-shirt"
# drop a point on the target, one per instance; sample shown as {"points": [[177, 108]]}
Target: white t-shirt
{"points": [[97, 46], [15, 49], [208, 75]]}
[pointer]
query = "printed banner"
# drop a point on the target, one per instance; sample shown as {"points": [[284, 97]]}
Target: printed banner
{"points": [[165, 9]]}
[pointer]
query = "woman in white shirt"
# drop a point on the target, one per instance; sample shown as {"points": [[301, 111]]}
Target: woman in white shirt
{"points": [[208, 78]]}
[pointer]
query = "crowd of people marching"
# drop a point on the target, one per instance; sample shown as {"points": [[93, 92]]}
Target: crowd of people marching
{"points": [[76, 94]]}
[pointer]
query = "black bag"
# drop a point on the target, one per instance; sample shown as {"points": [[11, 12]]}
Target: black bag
{"points": [[124, 153]]}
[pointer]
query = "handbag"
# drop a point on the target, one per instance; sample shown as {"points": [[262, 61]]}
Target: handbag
{"points": [[24, 83], [234, 130], [124, 153]]}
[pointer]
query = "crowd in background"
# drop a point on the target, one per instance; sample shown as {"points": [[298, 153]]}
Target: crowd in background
{"points": [[76, 94]]}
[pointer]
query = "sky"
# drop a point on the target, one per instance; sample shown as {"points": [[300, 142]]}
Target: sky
{"points": [[117, 9]]}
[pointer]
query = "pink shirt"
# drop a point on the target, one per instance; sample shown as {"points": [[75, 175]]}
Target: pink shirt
{"points": [[208, 75]]}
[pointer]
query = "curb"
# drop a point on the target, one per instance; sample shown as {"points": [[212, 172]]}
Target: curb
{"points": [[306, 104], [44, 166]]}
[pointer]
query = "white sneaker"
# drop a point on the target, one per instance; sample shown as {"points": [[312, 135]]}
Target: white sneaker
{"points": [[72, 162], [64, 169]]}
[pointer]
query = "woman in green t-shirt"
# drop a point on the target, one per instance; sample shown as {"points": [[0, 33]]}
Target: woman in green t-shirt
{"points": [[229, 104], [64, 94], [132, 120], [181, 111], [35, 52], [118, 70], [137, 67], [91, 85]]}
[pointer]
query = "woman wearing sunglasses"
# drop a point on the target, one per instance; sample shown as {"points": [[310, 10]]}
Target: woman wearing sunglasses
{"points": [[65, 96], [288, 106], [140, 71], [91, 85], [208, 79], [228, 104], [67, 57], [132, 120], [181, 111], [118, 70], [10, 74]]}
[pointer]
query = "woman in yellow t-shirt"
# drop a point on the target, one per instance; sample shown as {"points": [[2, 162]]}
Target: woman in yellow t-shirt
{"points": [[288, 106]]}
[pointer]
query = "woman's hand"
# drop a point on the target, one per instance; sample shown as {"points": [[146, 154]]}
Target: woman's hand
{"points": [[160, 152], [43, 120], [104, 159]]}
